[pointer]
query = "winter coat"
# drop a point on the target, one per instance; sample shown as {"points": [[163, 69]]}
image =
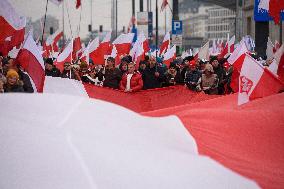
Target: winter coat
{"points": [[192, 79], [112, 78], [209, 84], [27, 84], [170, 78], [18, 88], [150, 80], [136, 82]]}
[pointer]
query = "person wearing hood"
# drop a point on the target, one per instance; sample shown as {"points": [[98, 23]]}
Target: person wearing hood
{"points": [[209, 80]]}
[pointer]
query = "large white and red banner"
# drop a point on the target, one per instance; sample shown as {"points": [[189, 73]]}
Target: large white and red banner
{"points": [[239, 141]]}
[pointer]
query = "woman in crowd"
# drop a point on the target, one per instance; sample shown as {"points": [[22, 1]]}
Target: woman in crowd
{"points": [[131, 80], [209, 80], [13, 84]]}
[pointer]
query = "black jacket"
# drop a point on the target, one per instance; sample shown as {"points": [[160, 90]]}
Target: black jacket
{"points": [[112, 78], [18, 88], [150, 80], [28, 88], [53, 73]]}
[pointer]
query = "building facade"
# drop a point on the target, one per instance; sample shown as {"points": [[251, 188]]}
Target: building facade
{"points": [[221, 23]]}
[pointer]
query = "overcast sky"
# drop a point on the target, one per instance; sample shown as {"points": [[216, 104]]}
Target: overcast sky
{"points": [[101, 13]]}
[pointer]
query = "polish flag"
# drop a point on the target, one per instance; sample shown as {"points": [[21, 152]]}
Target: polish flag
{"points": [[145, 43], [277, 66], [114, 54], [65, 56], [52, 40], [236, 60], [123, 43], [139, 55], [269, 49], [170, 56], [76, 47], [141, 42], [166, 44], [256, 82], [91, 50], [229, 48], [203, 52], [12, 25], [274, 8], [103, 49], [31, 60], [164, 4]]}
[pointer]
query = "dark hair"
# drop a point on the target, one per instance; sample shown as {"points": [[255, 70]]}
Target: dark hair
{"points": [[111, 59], [49, 61]]}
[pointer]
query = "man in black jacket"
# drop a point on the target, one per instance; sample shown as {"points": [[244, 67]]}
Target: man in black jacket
{"points": [[153, 75], [50, 69], [111, 74]]}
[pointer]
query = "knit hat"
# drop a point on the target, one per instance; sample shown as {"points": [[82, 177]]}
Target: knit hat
{"points": [[12, 73]]}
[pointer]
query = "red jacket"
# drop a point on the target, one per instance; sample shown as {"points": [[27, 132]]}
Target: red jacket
{"points": [[136, 82]]}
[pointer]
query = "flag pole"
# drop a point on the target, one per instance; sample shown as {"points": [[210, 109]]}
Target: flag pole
{"points": [[44, 22]]}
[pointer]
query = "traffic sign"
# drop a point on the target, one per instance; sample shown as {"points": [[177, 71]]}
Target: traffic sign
{"points": [[177, 40], [176, 27]]}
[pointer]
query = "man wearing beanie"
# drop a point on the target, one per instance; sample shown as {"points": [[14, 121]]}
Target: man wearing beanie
{"points": [[13, 83], [50, 69]]}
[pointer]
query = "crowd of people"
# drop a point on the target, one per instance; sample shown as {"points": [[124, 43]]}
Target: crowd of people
{"points": [[211, 77]]}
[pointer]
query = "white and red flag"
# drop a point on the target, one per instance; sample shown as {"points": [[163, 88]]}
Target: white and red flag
{"points": [[164, 4], [76, 47], [256, 82], [91, 50], [277, 66], [31, 60], [169, 56], [12, 25], [104, 49], [64, 56], [229, 48], [269, 49], [51, 43], [123, 43], [166, 44], [203, 52]]}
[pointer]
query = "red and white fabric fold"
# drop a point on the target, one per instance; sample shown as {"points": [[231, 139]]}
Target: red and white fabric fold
{"points": [[31, 60]]}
